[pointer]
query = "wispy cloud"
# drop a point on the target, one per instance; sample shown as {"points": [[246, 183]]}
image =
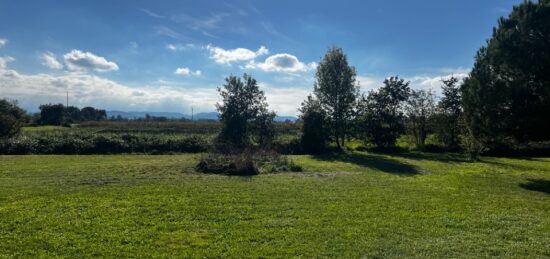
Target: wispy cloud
{"points": [[50, 60], [165, 31], [3, 42], [181, 47], [4, 61], [152, 14], [269, 28], [184, 71]]}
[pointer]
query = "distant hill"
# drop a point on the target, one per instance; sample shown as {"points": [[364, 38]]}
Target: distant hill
{"points": [[285, 118], [177, 115]]}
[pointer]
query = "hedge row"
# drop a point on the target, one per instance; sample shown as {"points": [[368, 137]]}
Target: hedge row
{"points": [[101, 144]]}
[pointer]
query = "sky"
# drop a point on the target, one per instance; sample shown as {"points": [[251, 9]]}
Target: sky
{"points": [[169, 56]]}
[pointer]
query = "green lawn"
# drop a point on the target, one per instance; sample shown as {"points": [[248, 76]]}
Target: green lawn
{"points": [[357, 205]]}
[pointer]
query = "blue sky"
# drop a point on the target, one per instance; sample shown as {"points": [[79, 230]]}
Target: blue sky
{"points": [[171, 55]]}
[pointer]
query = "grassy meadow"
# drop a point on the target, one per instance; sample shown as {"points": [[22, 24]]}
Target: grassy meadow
{"points": [[349, 205]]}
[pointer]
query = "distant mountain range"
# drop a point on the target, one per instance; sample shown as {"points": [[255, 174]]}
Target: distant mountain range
{"points": [[177, 115]]}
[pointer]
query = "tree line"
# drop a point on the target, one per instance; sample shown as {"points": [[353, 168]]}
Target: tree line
{"points": [[58, 114], [503, 103]]}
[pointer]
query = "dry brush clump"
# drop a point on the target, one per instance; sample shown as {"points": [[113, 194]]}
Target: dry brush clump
{"points": [[248, 162]]}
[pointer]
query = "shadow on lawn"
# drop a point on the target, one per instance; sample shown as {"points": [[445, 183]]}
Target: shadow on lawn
{"points": [[440, 157], [538, 185], [372, 161]]}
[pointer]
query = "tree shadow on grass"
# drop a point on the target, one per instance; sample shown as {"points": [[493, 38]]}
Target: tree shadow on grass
{"points": [[440, 157], [538, 185], [372, 161]]}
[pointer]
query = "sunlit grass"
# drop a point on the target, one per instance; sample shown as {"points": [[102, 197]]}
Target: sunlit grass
{"points": [[348, 205]]}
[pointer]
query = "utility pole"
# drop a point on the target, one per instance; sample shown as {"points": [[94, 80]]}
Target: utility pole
{"points": [[192, 114], [67, 98]]}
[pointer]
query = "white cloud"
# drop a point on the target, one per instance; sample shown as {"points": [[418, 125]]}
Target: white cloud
{"points": [[79, 60], [31, 90], [433, 82], [180, 47], [4, 61], [287, 100], [50, 60], [282, 63], [223, 56], [3, 42], [367, 83], [186, 71]]}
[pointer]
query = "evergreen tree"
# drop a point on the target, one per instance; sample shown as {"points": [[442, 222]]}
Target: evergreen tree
{"points": [[506, 97], [448, 127]]}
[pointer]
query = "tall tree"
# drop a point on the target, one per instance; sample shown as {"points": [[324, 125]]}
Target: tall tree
{"points": [[11, 118], [448, 126], [420, 110], [381, 113], [243, 111], [336, 90], [506, 96]]}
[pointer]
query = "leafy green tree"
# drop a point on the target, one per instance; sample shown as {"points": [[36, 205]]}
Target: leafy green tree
{"points": [[92, 114], [263, 128], [243, 112], [315, 133], [336, 90], [72, 114], [448, 127], [381, 119], [12, 118], [420, 109], [506, 96], [52, 114]]}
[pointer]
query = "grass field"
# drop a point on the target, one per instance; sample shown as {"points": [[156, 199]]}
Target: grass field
{"points": [[354, 205]]}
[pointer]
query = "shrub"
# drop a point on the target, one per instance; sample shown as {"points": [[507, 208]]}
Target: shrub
{"points": [[240, 164], [246, 163], [11, 118], [100, 143]]}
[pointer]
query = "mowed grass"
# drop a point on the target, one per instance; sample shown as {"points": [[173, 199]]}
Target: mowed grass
{"points": [[354, 205]]}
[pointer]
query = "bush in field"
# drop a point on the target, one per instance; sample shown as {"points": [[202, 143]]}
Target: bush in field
{"points": [[11, 118], [248, 162]]}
